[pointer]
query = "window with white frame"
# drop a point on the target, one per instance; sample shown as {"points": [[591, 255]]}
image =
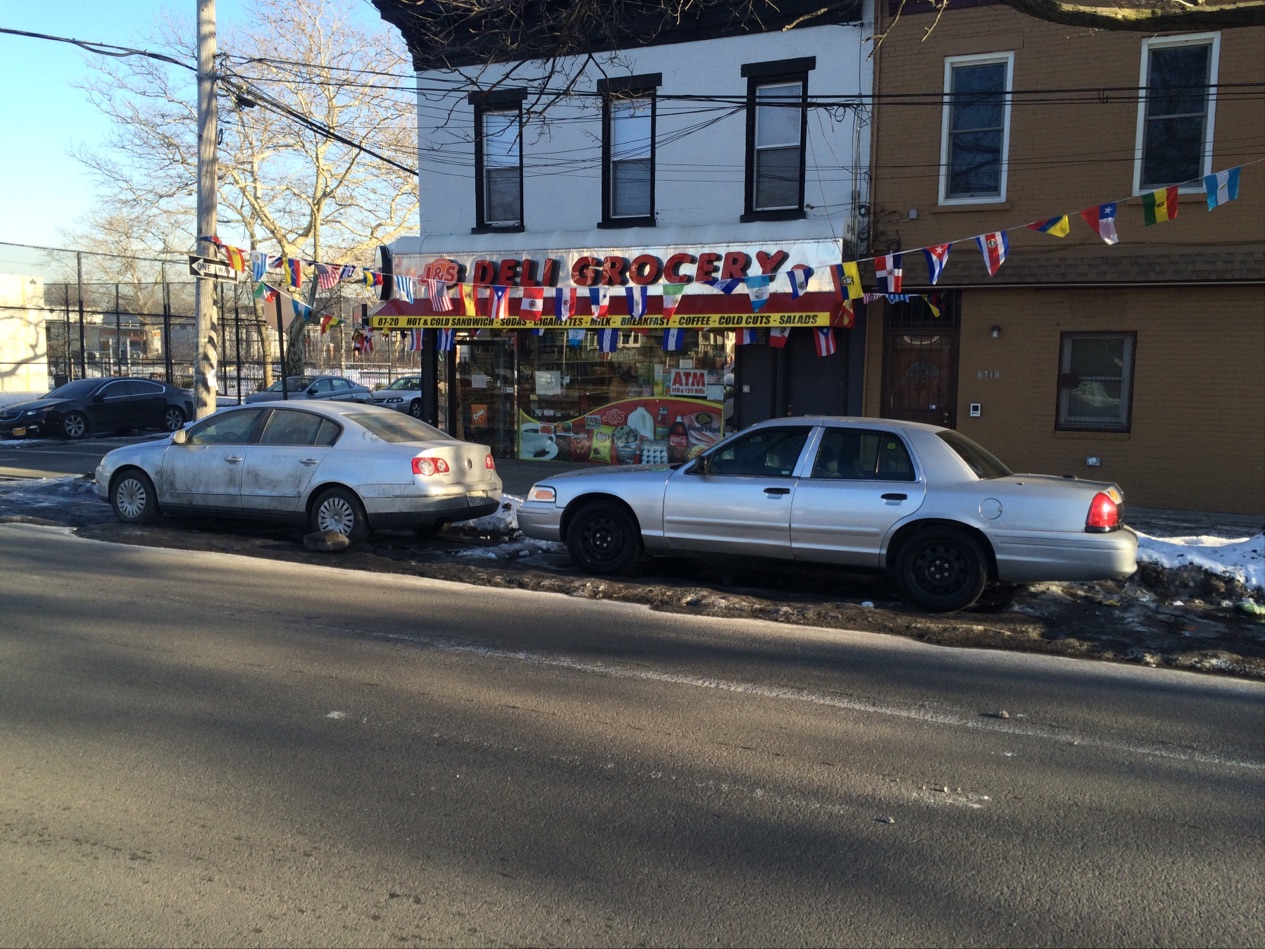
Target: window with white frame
{"points": [[498, 159], [1096, 382], [777, 103], [975, 127], [1179, 75], [628, 150]]}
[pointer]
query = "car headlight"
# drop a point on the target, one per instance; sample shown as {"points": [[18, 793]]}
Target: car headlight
{"points": [[542, 493]]}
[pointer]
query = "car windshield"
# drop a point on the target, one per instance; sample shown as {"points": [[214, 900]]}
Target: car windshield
{"points": [[979, 459], [407, 382], [74, 390], [292, 384], [397, 427]]}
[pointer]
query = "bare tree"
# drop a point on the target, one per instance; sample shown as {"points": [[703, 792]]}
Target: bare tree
{"points": [[296, 107]]}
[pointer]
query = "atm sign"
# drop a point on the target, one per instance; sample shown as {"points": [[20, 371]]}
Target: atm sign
{"points": [[688, 382]]}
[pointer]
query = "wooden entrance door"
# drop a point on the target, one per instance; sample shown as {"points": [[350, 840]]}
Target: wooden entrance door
{"points": [[920, 361]]}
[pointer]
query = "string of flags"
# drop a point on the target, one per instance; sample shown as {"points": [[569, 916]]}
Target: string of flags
{"points": [[1158, 206]]}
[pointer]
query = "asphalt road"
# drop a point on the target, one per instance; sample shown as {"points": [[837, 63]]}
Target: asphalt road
{"points": [[200, 748]]}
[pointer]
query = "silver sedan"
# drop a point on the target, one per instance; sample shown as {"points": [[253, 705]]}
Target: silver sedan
{"points": [[403, 395], [925, 504], [327, 465], [326, 388]]}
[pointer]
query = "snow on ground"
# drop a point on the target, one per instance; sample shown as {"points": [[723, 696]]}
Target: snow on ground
{"points": [[1241, 557]]}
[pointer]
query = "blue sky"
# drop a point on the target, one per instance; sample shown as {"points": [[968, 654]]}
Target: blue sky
{"points": [[42, 189]]}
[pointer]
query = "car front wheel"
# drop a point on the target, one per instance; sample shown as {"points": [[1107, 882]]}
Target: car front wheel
{"points": [[74, 425], [942, 569], [338, 509], [415, 408], [603, 538], [133, 497], [173, 419]]}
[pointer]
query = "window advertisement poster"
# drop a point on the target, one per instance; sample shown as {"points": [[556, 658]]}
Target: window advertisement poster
{"points": [[655, 431]]}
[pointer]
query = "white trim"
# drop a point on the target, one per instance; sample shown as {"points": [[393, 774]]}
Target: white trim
{"points": [[980, 59], [1144, 64]]}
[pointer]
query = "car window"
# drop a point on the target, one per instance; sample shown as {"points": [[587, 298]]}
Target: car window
{"points": [[322, 386], [979, 459], [114, 390], [74, 390], [228, 428], [766, 452], [141, 387], [393, 426], [290, 427], [339, 385], [328, 433]]}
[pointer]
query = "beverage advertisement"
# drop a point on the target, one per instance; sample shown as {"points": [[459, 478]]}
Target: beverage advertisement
{"points": [[657, 431]]}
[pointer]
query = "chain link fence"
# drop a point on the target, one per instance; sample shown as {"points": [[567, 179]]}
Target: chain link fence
{"points": [[69, 314]]}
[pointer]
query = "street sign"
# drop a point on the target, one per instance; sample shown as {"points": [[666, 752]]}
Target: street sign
{"points": [[215, 269]]}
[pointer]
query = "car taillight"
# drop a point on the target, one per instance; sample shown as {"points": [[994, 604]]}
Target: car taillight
{"points": [[488, 463], [428, 466], [1104, 513]]}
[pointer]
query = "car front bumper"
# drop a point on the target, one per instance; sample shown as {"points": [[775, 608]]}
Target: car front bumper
{"points": [[541, 521]]}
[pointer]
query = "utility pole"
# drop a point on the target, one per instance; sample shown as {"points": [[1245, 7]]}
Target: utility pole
{"points": [[207, 343]]}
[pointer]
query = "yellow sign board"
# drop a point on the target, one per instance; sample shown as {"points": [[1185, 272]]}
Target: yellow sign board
{"points": [[692, 321]]}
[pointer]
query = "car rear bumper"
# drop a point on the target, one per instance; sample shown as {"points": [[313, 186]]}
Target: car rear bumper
{"points": [[1032, 559], [406, 513]]}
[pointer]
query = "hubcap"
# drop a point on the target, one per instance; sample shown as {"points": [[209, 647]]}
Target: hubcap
{"points": [[603, 539], [336, 514], [131, 498], [942, 568]]}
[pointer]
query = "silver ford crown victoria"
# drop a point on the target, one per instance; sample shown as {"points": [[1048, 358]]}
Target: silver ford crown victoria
{"points": [[933, 509]]}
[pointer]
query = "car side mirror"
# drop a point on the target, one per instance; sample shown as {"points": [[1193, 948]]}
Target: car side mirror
{"points": [[700, 466], [179, 436], [310, 392]]}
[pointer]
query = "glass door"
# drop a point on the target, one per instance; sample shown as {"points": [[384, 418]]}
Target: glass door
{"points": [[487, 401]]}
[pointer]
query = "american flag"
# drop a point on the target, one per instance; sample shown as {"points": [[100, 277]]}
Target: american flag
{"points": [[437, 290]]}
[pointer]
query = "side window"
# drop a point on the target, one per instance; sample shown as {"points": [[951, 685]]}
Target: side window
{"points": [[628, 124], [851, 454], [322, 386], [1179, 76], [328, 433], [231, 428], [1096, 382], [340, 385], [286, 427], [763, 453], [115, 390], [777, 103], [143, 388], [498, 159], [975, 128]]}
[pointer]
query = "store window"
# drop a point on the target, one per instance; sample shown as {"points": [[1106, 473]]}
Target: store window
{"points": [[1096, 382], [777, 104], [636, 404], [628, 151], [975, 128], [498, 159], [1176, 112]]}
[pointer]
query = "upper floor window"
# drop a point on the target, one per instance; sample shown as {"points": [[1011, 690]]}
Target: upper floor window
{"points": [[777, 104], [1096, 382], [1179, 74], [498, 159], [628, 150], [975, 127]]}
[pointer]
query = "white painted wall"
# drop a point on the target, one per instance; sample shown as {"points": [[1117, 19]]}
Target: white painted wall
{"points": [[700, 159], [23, 345]]}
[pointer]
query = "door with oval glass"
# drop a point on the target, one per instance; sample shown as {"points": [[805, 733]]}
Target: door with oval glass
{"points": [[920, 360]]}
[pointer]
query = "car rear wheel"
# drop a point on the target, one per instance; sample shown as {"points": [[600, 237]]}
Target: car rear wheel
{"points": [[415, 408], [942, 569], [133, 497], [603, 538], [74, 425], [173, 419], [338, 509]]}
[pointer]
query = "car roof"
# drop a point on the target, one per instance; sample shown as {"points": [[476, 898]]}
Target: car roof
{"points": [[320, 407], [847, 420]]}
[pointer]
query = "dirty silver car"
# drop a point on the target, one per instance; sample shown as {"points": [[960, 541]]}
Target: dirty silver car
{"points": [[327, 465], [925, 504]]}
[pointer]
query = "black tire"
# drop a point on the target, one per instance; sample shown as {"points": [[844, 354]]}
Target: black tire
{"points": [[604, 539], [337, 509], [133, 497], [415, 408], [173, 419], [74, 425], [942, 569], [431, 530]]}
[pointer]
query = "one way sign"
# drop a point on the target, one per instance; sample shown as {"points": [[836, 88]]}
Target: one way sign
{"points": [[215, 269]]}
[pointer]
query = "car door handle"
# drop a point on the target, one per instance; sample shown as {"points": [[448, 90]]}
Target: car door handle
{"points": [[895, 497], [233, 459], [310, 461], [777, 490]]}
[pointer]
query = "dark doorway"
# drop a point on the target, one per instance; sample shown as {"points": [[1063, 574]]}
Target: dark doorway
{"points": [[793, 380], [920, 360]]}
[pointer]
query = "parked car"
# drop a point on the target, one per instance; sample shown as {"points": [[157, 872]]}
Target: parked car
{"points": [[327, 465], [107, 405], [933, 509], [404, 395], [334, 388]]}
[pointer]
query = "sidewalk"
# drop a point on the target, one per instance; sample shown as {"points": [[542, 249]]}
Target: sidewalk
{"points": [[518, 477]]}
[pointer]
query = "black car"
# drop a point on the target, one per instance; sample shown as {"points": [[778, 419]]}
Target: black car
{"points": [[110, 405]]}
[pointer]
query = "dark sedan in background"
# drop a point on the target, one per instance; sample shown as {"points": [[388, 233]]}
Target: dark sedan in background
{"points": [[104, 406]]}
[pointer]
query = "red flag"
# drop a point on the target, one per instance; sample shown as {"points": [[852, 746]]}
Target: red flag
{"points": [[778, 337], [532, 305], [824, 340]]}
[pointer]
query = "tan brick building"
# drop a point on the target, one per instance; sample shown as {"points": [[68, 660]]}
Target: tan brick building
{"points": [[1142, 361]]}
